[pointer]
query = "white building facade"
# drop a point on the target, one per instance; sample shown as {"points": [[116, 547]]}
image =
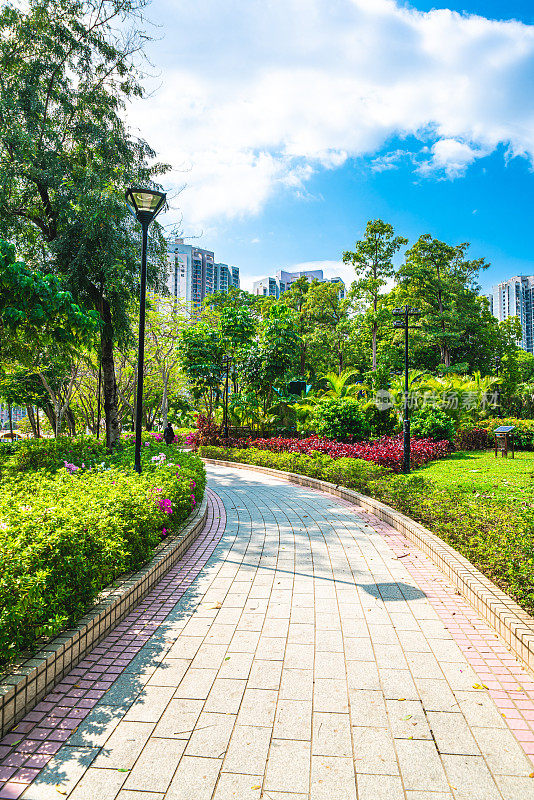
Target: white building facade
{"points": [[194, 274], [283, 280], [515, 298]]}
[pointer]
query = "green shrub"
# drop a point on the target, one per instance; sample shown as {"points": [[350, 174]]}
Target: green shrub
{"points": [[432, 423], [50, 454], [64, 535], [523, 434], [341, 419], [497, 538]]}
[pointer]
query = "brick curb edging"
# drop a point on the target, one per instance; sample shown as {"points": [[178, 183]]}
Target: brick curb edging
{"points": [[502, 613], [29, 681]]}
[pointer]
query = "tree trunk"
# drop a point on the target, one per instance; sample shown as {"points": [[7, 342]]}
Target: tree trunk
{"points": [[111, 406], [51, 414], [71, 422], [375, 331], [10, 412], [164, 402], [31, 417], [37, 411]]}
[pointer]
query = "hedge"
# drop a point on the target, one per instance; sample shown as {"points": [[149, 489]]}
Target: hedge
{"points": [[523, 433], [66, 532], [497, 538]]}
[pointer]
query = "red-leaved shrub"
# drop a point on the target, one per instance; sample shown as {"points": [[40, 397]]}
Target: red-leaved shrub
{"points": [[388, 451]]}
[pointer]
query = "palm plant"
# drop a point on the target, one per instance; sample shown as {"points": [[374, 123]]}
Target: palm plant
{"points": [[342, 385]]}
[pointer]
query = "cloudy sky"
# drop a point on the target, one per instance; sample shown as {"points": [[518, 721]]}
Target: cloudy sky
{"points": [[290, 123]]}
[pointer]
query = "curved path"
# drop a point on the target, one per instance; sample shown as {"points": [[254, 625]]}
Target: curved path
{"points": [[300, 651]]}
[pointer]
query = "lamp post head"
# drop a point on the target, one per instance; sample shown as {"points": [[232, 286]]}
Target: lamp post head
{"points": [[145, 204]]}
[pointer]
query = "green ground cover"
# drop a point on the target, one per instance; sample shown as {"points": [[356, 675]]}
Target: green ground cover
{"points": [[73, 518], [480, 473]]}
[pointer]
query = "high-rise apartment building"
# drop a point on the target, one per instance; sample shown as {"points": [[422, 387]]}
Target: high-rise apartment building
{"points": [[515, 298], [274, 287], [194, 274]]}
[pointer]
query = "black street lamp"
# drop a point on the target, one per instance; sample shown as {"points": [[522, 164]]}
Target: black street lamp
{"points": [[145, 205], [405, 312], [226, 363]]}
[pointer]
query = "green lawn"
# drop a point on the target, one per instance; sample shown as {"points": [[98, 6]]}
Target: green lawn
{"points": [[482, 474]]}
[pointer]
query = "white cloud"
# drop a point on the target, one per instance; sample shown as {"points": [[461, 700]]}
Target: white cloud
{"points": [[451, 158], [258, 96]]}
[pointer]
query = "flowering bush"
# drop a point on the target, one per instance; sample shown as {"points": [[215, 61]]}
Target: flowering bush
{"points": [[387, 451], [207, 433], [471, 437], [69, 530]]}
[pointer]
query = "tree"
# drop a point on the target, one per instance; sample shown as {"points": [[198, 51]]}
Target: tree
{"points": [[373, 262], [42, 329], [271, 358], [66, 69], [439, 279], [328, 323], [201, 354], [296, 298]]}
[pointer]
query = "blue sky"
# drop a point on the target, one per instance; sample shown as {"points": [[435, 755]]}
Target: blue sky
{"points": [[291, 123]]}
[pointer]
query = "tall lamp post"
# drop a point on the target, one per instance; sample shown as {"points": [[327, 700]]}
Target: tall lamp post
{"points": [[404, 323], [145, 205], [226, 363]]}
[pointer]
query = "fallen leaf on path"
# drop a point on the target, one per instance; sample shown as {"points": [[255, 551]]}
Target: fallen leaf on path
{"points": [[60, 789], [211, 606], [401, 699], [479, 686], [255, 787]]}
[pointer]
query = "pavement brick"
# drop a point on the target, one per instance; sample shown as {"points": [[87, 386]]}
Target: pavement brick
{"points": [[420, 766], [194, 779], [407, 719], [332, 777], [470, 778], [196, 684], [178, 719], [382, 787], [258, 707], [374, 752], [238, 787], [225, 695], [98, 783], [247, 751], [297, 684], [288, 767], [150, 704], [331, 735], [211, 735], [293, 720], [155, 767], [124, 745]]}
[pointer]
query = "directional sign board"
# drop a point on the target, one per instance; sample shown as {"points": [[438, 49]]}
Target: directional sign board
{"points": [[504, 429]]}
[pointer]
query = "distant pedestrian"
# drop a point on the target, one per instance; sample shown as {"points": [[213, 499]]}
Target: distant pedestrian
{"points": [[168, 434]]}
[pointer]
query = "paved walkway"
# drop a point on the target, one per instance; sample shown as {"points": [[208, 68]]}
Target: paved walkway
{"points": [[300, 651]]}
